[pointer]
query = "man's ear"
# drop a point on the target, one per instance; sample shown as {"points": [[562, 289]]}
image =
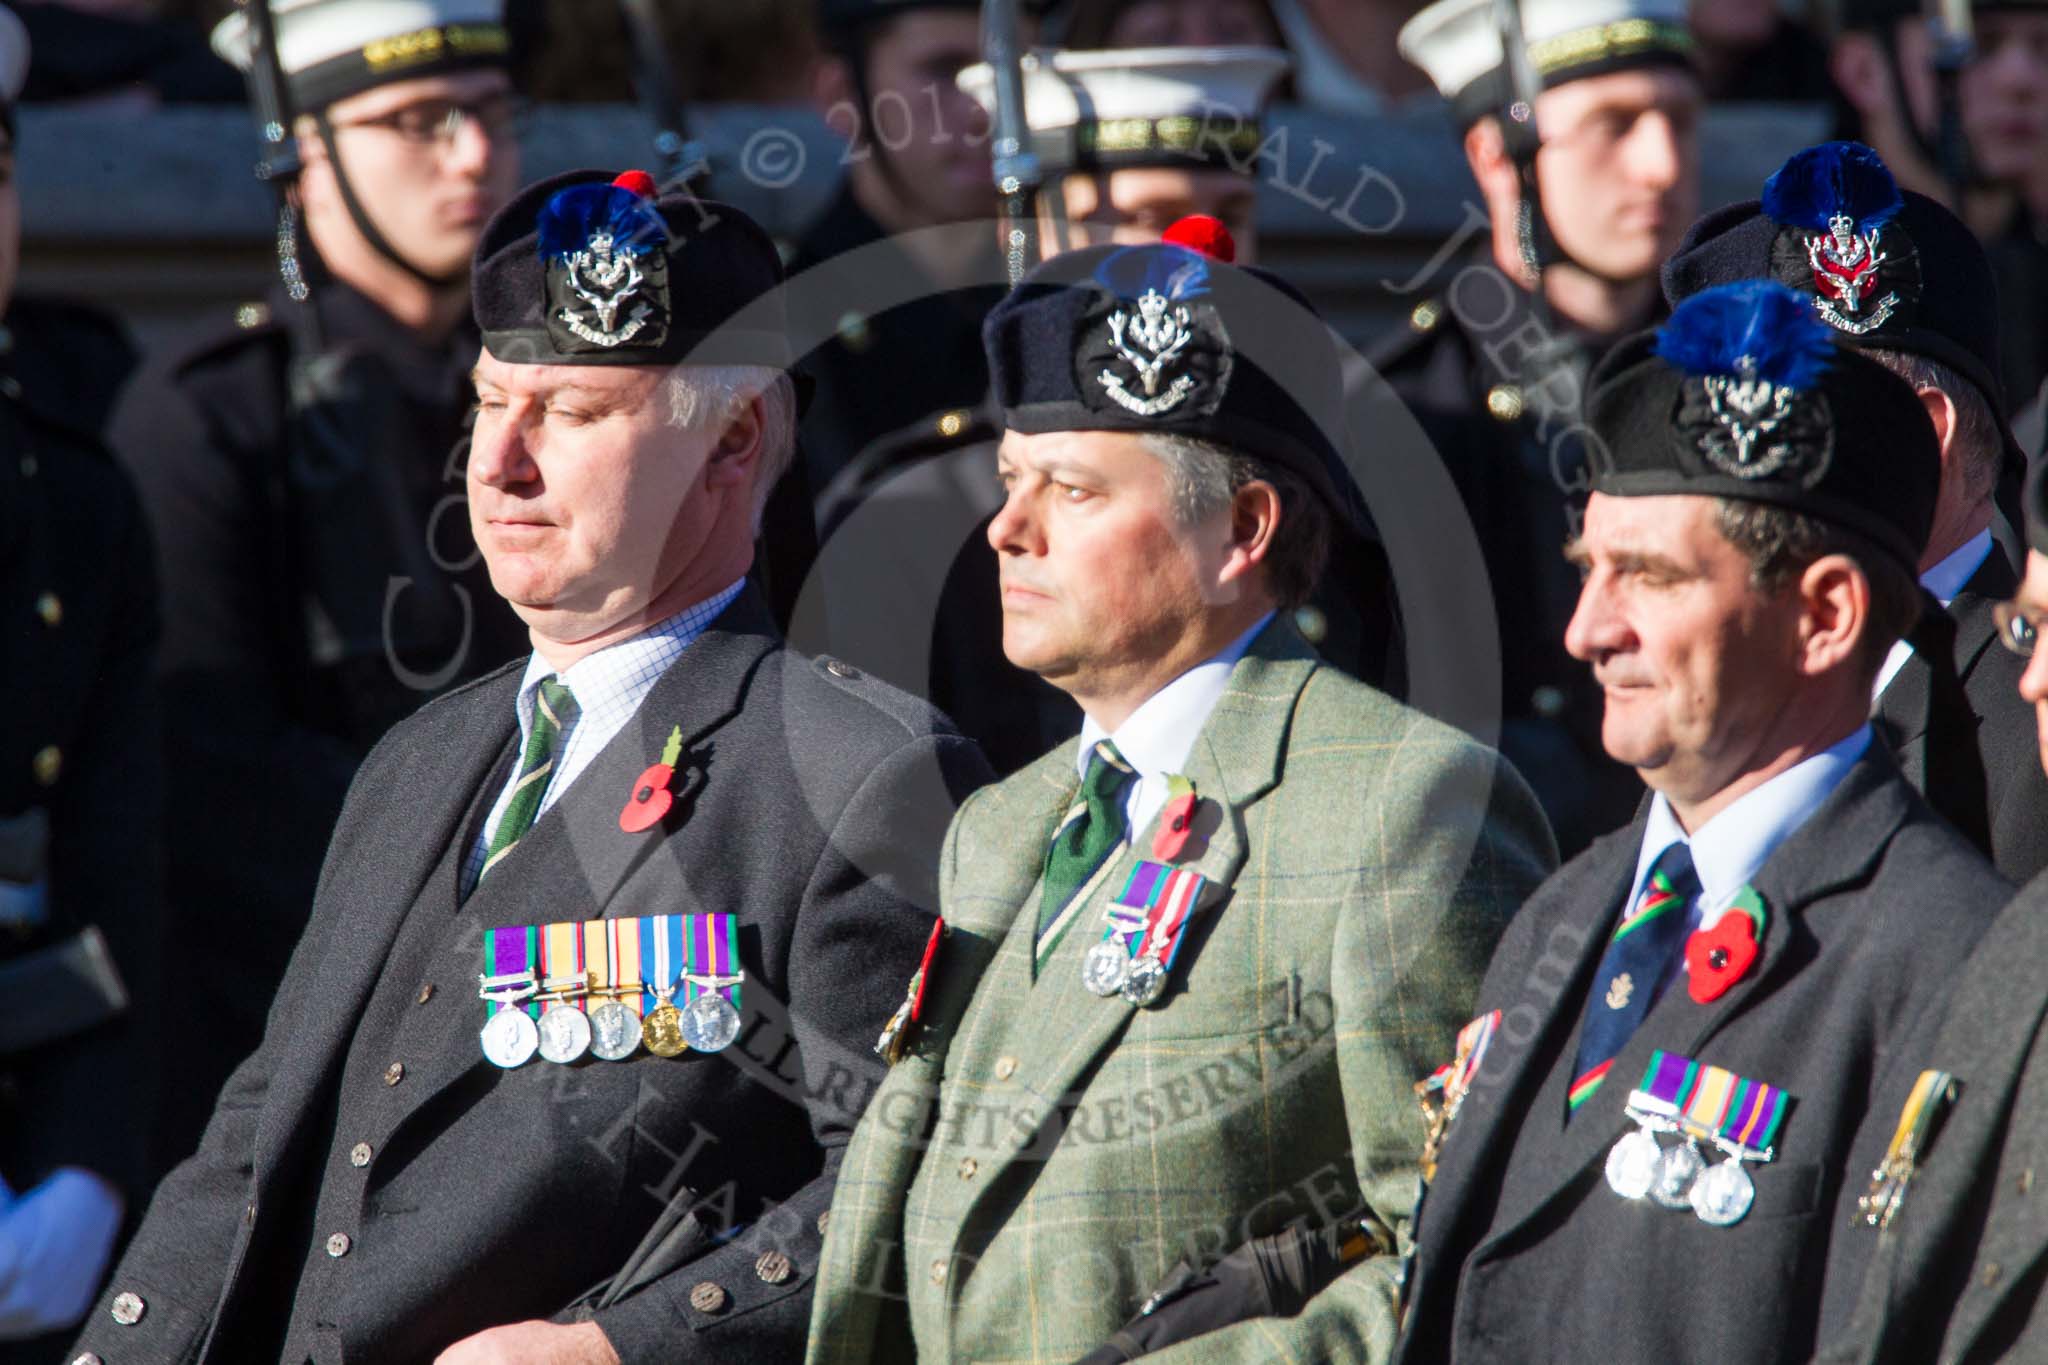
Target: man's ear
{"points": [[737, 453], [1255, 516], [1486, 152], [1941, 410], [834, 96], [1835, 593]]}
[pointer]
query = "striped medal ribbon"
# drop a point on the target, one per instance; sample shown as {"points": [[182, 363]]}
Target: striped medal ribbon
{"points": [[711, 977], [1933, 1092], [612, 947], [565, 983], [507, 985], [661, 960]]}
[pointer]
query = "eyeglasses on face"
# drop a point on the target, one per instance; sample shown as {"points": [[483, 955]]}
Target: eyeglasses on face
{"points": [[439, 122]]}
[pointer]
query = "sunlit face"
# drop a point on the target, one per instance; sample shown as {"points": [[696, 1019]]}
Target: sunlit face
{"points": [[1135, 205], [586, 502], [2003, 92], [429, 197], [1098, 576], [1193, 23], [1619, 167], [2033, 603], [932, 136], [1693, 662]]}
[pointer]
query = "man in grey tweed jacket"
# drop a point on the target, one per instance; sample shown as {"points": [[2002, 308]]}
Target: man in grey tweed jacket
{"points": [[1085, 1096]]}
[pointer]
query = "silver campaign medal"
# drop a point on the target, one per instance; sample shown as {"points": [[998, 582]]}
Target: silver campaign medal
{"points": [[1632, 1164], [1104, 968], [1677, 1168], [614, 1032], [511, 1038], [1723, 1193], [564, 1034], [1145, 982], [710, 1023]]}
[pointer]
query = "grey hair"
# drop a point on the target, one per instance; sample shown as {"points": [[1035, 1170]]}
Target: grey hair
{"points": [[1978, 439], [1780, 544], [702, 397], [1202, 477]]}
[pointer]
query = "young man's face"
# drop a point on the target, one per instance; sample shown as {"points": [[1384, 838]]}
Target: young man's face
{"points": [[1135, 205], [1619, 168], [932, 135], [2003, 92], [428, 178]]}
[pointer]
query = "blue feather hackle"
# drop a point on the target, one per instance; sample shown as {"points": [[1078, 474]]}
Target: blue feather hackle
{"points": [[1835, 177], [1760, 319], [1174, 271], [569, 219]]}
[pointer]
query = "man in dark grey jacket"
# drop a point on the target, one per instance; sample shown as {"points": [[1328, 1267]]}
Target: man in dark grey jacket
{"points": [[1948, 1258], [721, 849]]}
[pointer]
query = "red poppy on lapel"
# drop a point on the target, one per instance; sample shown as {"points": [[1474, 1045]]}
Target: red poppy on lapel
{"points": [[1717, 958], [651, 796], [1176, 820]]}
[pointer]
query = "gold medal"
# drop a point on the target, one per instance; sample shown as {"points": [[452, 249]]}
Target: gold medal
{"points": [[662, 1029]]}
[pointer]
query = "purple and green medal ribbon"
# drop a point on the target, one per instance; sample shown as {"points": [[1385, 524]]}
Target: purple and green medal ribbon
{"points": [[661, 956], [1754, 1116], [1158, 898], [1669, 1080], [508, 951], [714, 950]]}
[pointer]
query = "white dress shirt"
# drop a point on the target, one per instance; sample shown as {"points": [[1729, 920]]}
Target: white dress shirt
{"points": [[609, 687], [1943, 582], [1157, 738]]}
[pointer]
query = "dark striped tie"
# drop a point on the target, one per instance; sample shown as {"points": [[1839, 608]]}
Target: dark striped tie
{"points": [[1632, 970], [1092, 829], [554, 711]]}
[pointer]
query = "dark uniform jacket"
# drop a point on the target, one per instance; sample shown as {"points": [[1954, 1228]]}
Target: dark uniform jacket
{"points": [[1525, 1254], [1500, 405], [81, 780], [899, 351], [2016, 791], [1957, 1275], [371, 1189], [285, 573]]}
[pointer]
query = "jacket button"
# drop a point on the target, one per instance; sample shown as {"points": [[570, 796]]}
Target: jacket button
{"points": [[1504, 401], [1006, 1067], [338, 1245], [773, 1267], [50, 607], [128, 1309], [939, 1271], [1992, 1270], [359, 1155], [394, 1073], [2027, 1181], [87, 1358], [968, 1166], [426, 992], [839, 669], [706, 1297], [48, 763], [249, 1214], [824, 1220]]}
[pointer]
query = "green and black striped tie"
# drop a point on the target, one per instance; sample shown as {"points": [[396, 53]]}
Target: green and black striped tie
{"points": [[554, 711], [1091, 831]]}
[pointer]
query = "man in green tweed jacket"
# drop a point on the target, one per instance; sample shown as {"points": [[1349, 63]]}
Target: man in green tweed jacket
{"points": [[1192, 966]]}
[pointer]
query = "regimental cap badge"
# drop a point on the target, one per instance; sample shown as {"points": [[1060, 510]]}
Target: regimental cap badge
{"points": [[1835, 205], [604, 249], [1155, 347], [1753, 356]]}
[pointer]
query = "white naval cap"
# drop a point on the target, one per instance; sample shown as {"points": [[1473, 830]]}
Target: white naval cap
{"points": [[333, 48], [1458, 43], [1141, 106], [13, 56]]}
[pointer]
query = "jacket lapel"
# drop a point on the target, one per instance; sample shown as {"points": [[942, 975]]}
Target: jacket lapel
{"points": [[1903, 705], [1833, 847], [1234, 762]]}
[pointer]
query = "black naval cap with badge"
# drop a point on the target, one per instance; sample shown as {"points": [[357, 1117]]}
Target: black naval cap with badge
{"points": [[1745, 394], [1166, 339], [592, 268], [1883, 267], [331, 49]]}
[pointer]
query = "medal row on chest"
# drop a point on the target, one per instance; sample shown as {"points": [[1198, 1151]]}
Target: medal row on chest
{"points": [[607, 988], [1705, 1107]]}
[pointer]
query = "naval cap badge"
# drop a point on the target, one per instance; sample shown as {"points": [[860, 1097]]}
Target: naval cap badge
{"points": [[1753, 355], [606, 251]]}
